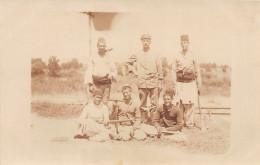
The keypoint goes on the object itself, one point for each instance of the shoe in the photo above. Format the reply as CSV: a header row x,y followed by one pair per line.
x,y
85,136
77,137
81,136
115,136
192,128
152,136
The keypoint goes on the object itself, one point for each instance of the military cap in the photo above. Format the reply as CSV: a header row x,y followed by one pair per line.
x,y
97,92
146,36
126,86
101,40
169,92
184,37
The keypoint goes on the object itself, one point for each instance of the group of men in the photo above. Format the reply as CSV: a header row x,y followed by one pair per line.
x,y
132,119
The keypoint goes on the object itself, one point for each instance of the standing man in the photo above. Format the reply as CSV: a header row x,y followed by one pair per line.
x,y
101,71
186,81
149,74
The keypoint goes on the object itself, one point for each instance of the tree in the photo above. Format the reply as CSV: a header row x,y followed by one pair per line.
x,y
37,66
53,66
72,64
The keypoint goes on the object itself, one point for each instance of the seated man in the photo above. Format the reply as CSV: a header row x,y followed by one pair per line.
x,y
129,109
167,115
94,119
168,119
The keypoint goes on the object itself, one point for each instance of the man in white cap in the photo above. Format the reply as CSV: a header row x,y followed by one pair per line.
x,y
149,72
186,81
101,71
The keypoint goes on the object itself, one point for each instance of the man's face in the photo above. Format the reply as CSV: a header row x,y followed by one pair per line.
x,y
167,100
146,43
101,47
184,45
97,99
127,94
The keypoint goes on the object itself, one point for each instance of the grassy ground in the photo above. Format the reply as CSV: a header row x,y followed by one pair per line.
x,y
71,83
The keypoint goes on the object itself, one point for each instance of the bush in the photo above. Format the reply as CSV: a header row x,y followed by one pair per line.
x,y
53,66
72,64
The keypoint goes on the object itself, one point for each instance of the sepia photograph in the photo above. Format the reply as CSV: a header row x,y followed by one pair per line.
x,y
140,83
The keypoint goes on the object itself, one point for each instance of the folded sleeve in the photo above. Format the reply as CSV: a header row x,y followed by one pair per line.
x,y
156,115
159,67
113,71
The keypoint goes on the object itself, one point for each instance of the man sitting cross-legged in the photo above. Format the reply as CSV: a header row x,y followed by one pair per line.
x,y
94,120
129,109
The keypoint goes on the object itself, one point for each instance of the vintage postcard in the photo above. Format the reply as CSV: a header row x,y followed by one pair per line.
x,y
129,82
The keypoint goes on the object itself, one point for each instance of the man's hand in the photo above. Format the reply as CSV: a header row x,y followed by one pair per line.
x,y
89,88
159,130
111,77
100,121
132,132
106,124
173,86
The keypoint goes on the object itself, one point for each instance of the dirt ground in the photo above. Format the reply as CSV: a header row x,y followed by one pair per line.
x,y
55,136
215,140
53,125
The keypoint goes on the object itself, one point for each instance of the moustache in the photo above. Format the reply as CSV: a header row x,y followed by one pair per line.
x,y
110,49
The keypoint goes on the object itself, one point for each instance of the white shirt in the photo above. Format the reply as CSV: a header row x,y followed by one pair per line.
x,y
100,66
95,112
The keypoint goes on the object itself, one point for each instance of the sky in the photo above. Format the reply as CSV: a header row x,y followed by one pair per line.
x,y
56,29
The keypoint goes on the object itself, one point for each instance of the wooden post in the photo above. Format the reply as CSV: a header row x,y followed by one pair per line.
x,y
90,44
90,30
90,34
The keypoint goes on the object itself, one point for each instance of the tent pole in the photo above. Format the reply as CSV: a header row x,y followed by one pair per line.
x,y
90,35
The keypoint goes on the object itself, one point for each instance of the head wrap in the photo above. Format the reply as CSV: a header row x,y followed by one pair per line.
x,y
184,37
97,92
124,87
101,40
146,36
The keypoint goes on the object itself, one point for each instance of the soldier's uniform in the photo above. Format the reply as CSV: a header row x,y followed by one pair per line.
x,y
149,72
168,117
187,80
129,109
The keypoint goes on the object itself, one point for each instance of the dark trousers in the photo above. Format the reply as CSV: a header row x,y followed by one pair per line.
x,y
154,99
105,90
